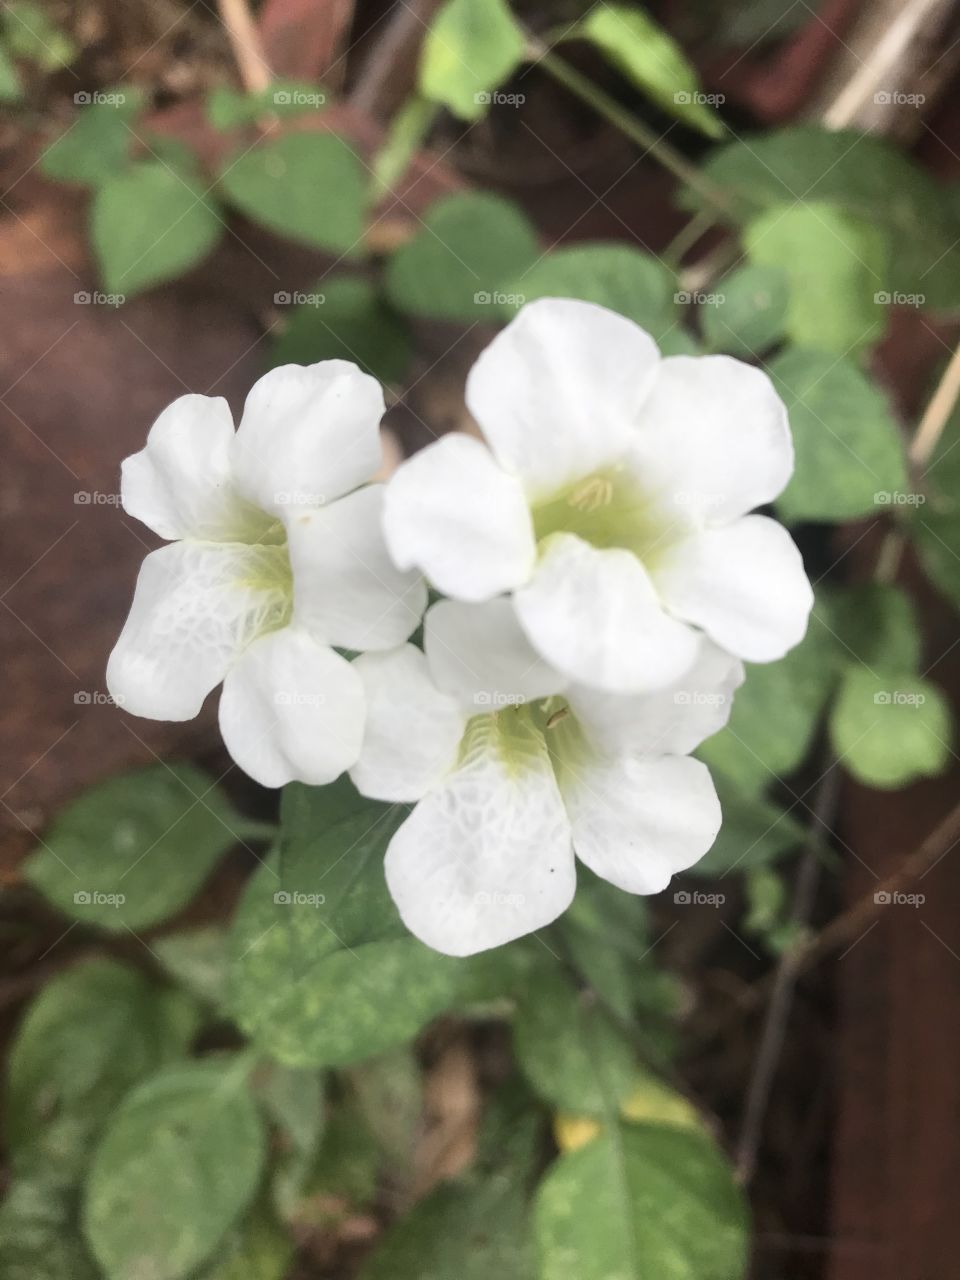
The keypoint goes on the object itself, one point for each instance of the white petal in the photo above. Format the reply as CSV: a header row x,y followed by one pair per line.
x,y
485,857
713,439
479,653
196,607
451,511
744,584
292,710
309,433
347,590
557,392
638,822
180,484
413,730
594,615
667,722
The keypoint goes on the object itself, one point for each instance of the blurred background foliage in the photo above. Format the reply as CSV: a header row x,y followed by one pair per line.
x,y
292,1090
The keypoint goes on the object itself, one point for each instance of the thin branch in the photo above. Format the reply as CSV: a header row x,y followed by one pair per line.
x,y
252,65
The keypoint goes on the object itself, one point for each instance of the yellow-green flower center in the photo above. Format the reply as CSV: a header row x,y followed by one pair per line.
x,y
607,509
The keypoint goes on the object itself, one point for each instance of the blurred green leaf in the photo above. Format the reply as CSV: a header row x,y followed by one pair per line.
x,y
877,626
405,134
32,35
458,263
150,224
604,931
935,515
11,89
477,1226
229,108
177,1166
346,319
867,176
849,454
652,60
777,710
643,1200
890,728
616,276
97,144
571,1051
471,47
197,959
755,832
133,850
837,266
389,1093
39,1237
752,316
324,971
92,1032
293,1100
307,186
257,1249
348,1166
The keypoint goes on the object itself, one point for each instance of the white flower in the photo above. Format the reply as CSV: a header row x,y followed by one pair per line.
x,y
612,500
516,769
268,567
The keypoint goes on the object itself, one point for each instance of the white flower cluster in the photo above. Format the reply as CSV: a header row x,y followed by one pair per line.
x,y
604,580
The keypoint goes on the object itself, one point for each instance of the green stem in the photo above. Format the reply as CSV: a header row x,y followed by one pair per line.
x,y
250,829
628,124
687,237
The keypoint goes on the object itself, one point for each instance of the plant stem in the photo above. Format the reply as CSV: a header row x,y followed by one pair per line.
x,y
687,237
628,124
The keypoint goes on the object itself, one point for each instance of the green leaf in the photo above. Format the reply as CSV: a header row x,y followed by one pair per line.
x,y
178,1165
755,832
257,1249
457,265
662,1203
324,971
849,455
32,36
571,1051
92,1032
869,178
935,515
348,1167
877,626
293,1100
476,1227
39,1239
150,224
389,1093
471,47
836,264
197,959
615,276
405,134
604,931
307,186
229,108
132,851
652,60
777,710
890,728
97,144
345,318
752,316
11,89
471,1230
